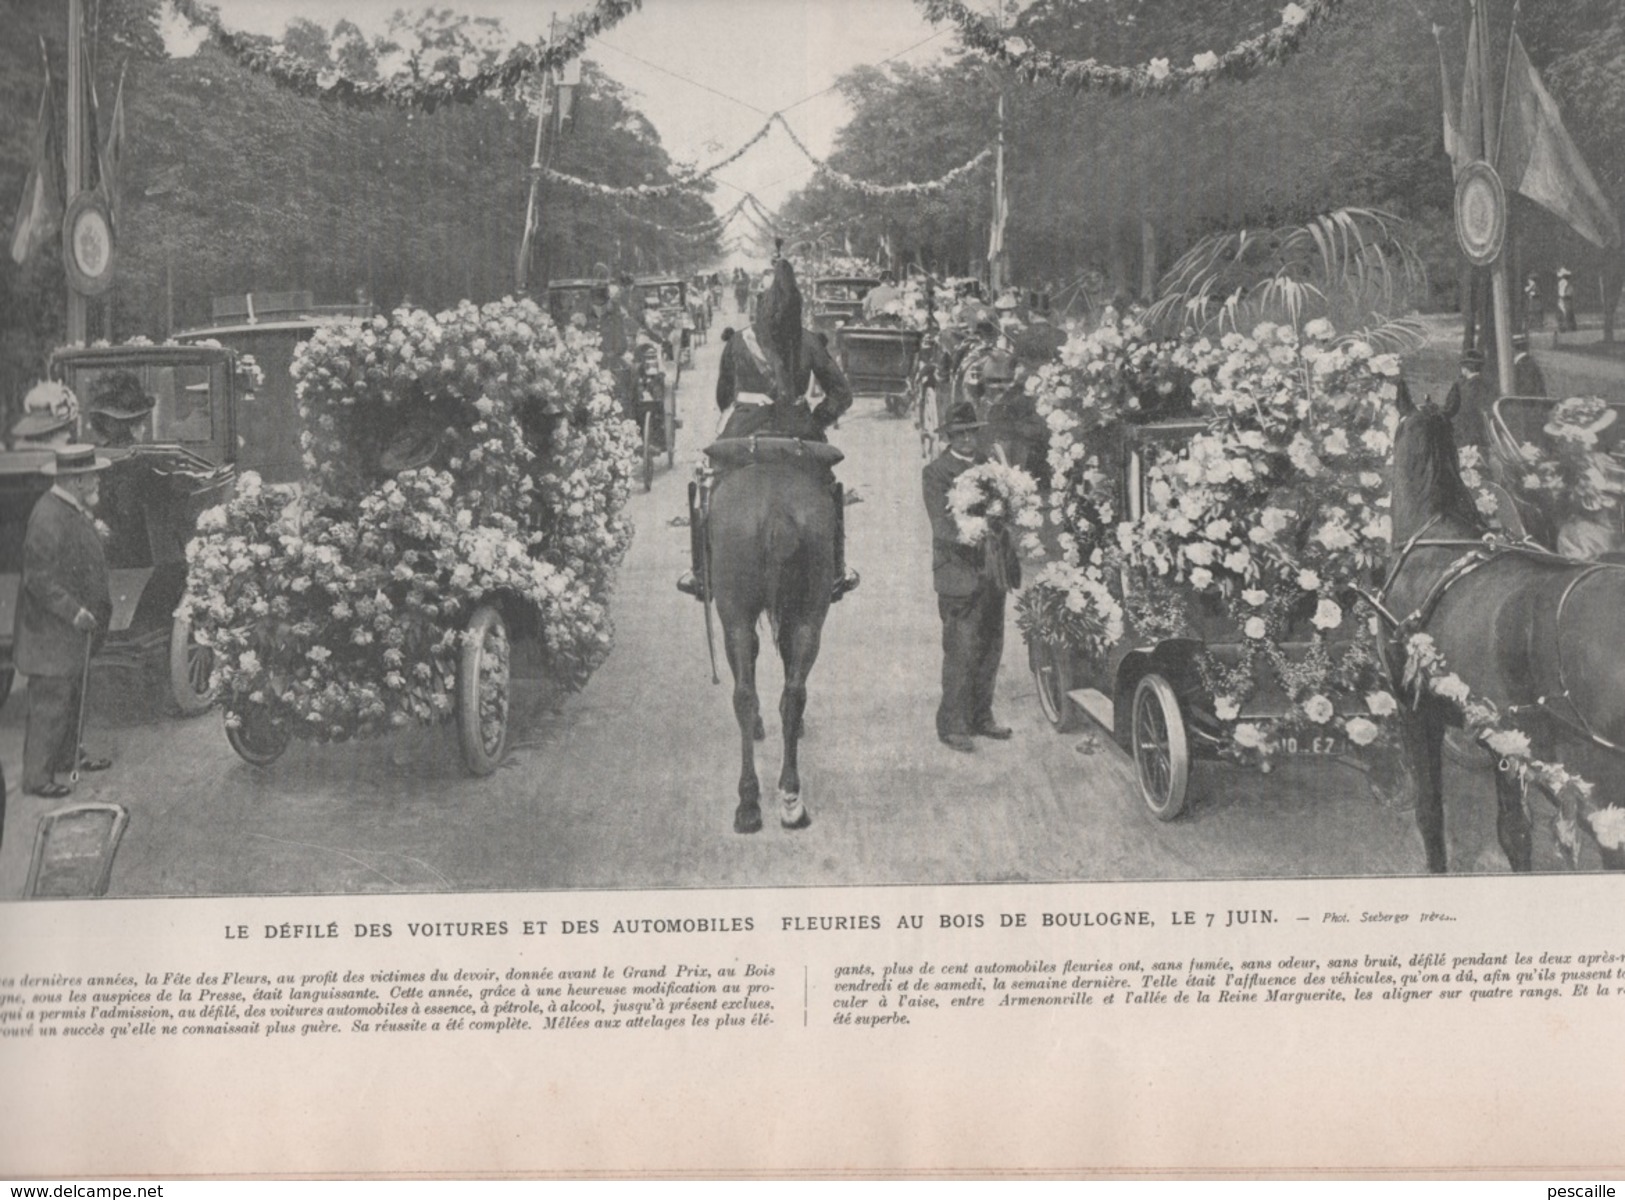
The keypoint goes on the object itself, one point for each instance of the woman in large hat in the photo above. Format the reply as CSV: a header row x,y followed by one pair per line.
x,y
119,408
50,413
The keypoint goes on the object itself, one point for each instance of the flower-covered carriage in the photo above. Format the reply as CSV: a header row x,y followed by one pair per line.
x,y
459,525
1217,507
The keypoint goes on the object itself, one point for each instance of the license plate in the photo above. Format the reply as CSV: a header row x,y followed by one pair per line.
x,y
1325,745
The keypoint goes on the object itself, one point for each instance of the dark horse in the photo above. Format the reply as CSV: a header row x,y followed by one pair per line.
x,y
1537,635
772,547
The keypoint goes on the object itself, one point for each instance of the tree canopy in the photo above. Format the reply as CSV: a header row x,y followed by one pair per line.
x,y
232,184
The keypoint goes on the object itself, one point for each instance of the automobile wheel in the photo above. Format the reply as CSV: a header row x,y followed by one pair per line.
x,y
1162,762
192,679
1052,676
257,738
482,691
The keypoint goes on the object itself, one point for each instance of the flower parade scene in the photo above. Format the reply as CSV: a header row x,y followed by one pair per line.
x,y
1224,476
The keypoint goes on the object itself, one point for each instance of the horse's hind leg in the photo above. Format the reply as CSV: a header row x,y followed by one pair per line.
x,y
1512,821
1423,735
798,643
741,643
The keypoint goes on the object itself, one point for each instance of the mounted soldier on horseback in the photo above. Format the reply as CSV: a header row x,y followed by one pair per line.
x,y
762,384
766,527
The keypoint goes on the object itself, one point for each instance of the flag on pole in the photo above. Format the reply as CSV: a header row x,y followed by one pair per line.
x,y
39,215
1539,160
111,151
1470,133
1001,214
1454,146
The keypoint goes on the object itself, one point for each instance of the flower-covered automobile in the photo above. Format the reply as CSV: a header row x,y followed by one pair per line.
x,y
1218,506
460,523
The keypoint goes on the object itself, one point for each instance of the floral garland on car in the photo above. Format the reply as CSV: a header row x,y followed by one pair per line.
x,y
337,607
468,82
1266,518
1242,61
1426,670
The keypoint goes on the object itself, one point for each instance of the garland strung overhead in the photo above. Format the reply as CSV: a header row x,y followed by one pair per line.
x,y
688,180
865,188
651,191
414,90
1242,61
699,231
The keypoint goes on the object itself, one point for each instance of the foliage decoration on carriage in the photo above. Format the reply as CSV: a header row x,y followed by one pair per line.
x,y
1218,504
466,479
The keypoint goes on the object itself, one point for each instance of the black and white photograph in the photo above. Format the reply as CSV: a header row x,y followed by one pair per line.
x,y
619,453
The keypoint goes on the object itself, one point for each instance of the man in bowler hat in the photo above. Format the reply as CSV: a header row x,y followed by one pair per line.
x,y
63,606
970,599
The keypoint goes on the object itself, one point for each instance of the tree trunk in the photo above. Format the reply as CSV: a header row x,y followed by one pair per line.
x,y
1613,282
1148,260
1119,264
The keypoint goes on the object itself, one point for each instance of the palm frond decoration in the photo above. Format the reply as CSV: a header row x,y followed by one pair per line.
x,y
1352,266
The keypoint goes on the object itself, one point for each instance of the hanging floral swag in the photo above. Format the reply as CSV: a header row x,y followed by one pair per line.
x,y
1427,671
1256,528
336,607
1242,61
412,88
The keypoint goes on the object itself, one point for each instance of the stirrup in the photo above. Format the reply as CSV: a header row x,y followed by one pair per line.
x,y
690,585
846,583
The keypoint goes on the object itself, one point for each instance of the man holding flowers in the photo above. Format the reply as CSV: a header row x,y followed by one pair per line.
x,y
971,580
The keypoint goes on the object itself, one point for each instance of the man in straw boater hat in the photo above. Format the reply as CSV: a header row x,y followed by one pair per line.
x,y
970,598
63,607
762,384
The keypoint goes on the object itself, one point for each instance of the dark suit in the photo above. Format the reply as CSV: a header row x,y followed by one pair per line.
x,y
1472,397
739,372
64,570
970,603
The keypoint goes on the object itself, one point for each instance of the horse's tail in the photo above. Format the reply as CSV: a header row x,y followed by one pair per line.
x,y
782,546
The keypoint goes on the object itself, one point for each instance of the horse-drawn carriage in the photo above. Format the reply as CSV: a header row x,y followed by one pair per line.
x,y
182,460
1146,690
663,301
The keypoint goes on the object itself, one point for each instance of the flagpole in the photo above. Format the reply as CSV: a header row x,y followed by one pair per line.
x,y
1499,292
77,324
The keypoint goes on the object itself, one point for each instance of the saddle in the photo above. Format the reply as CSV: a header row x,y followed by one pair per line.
x,y
744,451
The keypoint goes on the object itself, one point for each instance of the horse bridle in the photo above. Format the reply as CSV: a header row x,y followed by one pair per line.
x,y
1480,552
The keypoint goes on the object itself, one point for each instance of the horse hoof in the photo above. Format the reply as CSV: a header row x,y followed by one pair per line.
x,y
793,813
760,732
747,820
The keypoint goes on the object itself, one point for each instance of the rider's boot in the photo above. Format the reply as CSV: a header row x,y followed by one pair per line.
x,y
846,579
692,581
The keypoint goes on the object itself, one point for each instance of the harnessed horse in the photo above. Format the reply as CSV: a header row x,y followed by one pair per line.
x,y
1534,633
